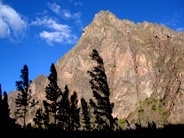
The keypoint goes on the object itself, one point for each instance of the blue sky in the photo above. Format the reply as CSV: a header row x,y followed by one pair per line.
x,y
38,33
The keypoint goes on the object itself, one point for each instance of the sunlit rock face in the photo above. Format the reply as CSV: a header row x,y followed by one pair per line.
x,y
144,65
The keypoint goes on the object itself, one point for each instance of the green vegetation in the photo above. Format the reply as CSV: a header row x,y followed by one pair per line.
x,y
122,121
141,110
153,107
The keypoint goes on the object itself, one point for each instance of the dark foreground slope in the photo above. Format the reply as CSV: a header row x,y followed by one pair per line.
x,y
167,131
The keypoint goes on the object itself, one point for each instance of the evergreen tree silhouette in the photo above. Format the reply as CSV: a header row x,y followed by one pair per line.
x,y
6,122
69,119
53,93
39,118
45,114
1,109
64,110
75,110
6,111
24,95
102,107
86,115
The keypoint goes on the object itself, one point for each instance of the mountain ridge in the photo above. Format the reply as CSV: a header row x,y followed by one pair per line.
x,y
143,63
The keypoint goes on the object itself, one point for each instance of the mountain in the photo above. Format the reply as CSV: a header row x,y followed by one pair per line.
x,y
144,65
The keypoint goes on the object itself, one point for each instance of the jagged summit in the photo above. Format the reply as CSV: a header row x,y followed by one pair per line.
x,y
144,65
104,15
127,26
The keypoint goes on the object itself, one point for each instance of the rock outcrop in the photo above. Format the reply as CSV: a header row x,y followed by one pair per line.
x,y
144,64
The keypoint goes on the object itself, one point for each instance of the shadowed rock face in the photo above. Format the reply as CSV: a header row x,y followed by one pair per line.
x,y
144,64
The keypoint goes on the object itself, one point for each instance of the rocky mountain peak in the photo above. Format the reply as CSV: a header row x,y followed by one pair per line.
x,y
126,26
103,16
144,65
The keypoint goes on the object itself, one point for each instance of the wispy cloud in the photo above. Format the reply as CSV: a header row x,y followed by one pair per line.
x,y
51,23
65,13
44,12
54,7
56,32
68,15
11,23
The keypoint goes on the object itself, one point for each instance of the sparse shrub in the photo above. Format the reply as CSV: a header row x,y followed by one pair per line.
x,y
154,100
141,110
122,121
161,100
153,107
165,113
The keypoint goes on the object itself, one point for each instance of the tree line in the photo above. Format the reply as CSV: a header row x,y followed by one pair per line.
x,y
61,110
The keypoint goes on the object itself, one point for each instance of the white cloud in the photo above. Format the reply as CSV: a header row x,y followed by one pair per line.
x,y
64,13
5,31
54,31
10,22
58,33
58,37
54,7
52,24
68,15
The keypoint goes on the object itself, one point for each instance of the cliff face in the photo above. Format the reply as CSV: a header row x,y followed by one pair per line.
x,y
144,64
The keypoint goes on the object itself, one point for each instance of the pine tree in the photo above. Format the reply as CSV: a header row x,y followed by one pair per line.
x,y
86,115
75,110
5,121
53,94
102,107
1,109
46,114
6,111
64,110
24,95
69,119
39,118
